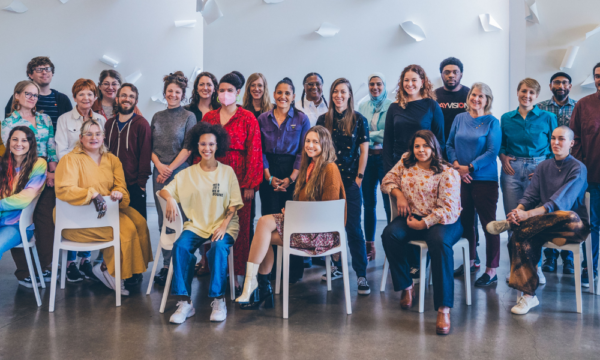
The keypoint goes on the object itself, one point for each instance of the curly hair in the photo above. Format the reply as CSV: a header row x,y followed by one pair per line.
x,y
195,98
205,128
177,78
437,161
39,61
426,91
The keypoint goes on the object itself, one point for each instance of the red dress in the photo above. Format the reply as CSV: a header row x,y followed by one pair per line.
x,y
245,157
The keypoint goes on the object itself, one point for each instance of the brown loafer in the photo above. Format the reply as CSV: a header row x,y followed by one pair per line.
x,y
442,326
406,300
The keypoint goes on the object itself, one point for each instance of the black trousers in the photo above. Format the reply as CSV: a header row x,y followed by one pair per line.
x,y
137,199
440,239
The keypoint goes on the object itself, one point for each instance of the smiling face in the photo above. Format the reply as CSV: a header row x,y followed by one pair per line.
x,y
312,145
375,86
313,86
28,97
92,139
19,146
340,97
205,87
597,78
109,87
477,100
284,95
42,75
412,83
207,146
85,98
126,101
527,96
257,89
422,150
173,95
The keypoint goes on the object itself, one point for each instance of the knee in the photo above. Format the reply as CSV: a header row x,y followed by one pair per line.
x,y
219,247
391,234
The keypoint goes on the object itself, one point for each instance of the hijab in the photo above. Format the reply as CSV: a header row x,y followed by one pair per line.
x,y
376,102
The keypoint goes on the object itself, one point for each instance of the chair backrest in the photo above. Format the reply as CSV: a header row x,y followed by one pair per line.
x,y
313,217
84,217
26,218
587,204
393,208
176,225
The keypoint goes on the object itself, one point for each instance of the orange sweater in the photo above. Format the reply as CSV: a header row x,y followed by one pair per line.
x,y
333,188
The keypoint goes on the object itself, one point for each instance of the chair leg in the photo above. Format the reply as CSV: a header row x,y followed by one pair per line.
x,y
422,283
588,254
36,260
231,274
53,281
153,273
163,302
346,277
577,261
278,272
328,271
430,278
36,291
286,282
466,260
63,269
118,271
386,269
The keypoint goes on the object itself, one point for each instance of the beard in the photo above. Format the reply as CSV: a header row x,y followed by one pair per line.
x,y
560,96
123,111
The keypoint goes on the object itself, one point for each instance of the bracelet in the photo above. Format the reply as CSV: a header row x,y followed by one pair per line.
x,y
291,181
270,179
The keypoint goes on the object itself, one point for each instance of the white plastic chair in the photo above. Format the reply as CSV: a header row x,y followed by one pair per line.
x,y
84,217
25,221
462,244
312,217
166,242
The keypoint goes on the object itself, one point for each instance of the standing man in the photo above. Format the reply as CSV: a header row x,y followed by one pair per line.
x,y
562,106
585,123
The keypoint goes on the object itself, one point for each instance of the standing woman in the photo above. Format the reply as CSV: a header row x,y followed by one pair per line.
x,y
256,95
472,147
109,83
204,95
375,110
170,143
312,102
350,133
24,114
244,155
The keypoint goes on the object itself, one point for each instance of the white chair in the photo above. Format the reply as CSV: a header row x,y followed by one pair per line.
x,y
84,217
312,217
25,221
462,244
166,242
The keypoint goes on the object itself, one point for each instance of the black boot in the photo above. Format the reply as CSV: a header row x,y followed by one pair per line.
x,y
264,292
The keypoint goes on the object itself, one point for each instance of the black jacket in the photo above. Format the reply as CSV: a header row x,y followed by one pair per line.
x,y
62,102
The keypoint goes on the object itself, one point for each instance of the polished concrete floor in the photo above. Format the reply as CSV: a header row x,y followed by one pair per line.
x,y
87,325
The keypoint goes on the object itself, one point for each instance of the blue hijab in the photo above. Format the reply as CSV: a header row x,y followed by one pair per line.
x,y
376,102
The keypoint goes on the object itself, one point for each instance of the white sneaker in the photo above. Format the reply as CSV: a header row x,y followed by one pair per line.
x,y
497,227
524,304
507,277
108,280
184,311
541,275
219,312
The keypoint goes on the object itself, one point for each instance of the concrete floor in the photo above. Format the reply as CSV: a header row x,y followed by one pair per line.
x,y
87,325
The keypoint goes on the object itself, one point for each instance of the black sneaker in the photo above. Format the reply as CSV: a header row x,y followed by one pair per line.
x,y
486,280
585,281
29,284
134,280
461,270
549,265
335,274
568,267
47,275
161,277
363,286
86,269
73,274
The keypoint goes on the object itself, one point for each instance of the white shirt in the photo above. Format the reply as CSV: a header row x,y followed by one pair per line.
x,y
68,128
313,112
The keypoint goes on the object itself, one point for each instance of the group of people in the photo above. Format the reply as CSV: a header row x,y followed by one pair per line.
x,y
212,155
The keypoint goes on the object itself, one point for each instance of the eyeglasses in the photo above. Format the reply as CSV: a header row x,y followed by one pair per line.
x,y
106,84
41,70
30,96
90,135
125,97
559,83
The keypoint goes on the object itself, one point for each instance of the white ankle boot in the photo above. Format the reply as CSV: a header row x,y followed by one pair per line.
x,y
250,283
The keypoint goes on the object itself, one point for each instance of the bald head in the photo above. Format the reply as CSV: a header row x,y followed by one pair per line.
x,y
565,131
562,142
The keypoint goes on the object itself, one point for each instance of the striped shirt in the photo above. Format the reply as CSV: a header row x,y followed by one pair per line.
x,y
47,105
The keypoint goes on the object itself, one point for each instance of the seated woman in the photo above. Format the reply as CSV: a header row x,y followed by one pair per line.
x,y
22,179
209,193
319,180
85,175
427,193
558,184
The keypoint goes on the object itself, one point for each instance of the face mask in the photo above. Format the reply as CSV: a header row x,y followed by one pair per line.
x,y
227,98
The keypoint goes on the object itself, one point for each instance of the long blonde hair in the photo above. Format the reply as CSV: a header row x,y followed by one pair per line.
x,y
426,91
265,101
314,185
85,128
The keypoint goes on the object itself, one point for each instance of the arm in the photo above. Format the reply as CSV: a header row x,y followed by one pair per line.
x,y
235,203
575,125
531,197
447,208
120,185
503,135
254,165
60,138
305,128
67,184
171,195
450,151
492,146
182,157
565,197
437,125
184,154
362,161
52,156
332,183
7,109
388,142
145,153
33,188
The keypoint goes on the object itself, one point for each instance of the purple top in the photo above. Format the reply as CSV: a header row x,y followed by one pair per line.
x,y
285,140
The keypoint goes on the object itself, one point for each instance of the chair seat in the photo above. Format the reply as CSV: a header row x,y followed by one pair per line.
x,y
167,244
298,252
568,246
30,243
423,244
88,246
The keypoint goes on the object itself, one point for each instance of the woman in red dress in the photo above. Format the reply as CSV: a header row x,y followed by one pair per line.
x,y
244,156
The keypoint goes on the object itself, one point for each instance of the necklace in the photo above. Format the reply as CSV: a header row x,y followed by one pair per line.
x,y
563,161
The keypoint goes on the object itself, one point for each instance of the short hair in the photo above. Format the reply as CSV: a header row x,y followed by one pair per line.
x,y
38,61
85,127
595,67
83,84
132,87
568,131
488,94
451,61
177,78
205,128
531,83
560,73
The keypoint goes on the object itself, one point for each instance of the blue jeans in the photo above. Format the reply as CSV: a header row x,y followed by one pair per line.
x,y
356,239
11,237
594,190
72,255
184,261
373,176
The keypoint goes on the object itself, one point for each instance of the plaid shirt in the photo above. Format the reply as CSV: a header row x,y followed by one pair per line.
x,y
563,114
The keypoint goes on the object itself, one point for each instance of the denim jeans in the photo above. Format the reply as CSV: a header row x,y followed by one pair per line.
x,y
356,239
594,190
11,237
184,262
373,175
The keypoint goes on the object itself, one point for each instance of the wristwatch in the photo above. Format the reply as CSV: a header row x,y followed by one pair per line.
x,y
471,168
360,176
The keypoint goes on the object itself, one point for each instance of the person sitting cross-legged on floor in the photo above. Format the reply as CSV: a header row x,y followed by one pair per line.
x,y
210,195
559,184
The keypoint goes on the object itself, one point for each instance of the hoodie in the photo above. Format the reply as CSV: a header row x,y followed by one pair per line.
x,y
133,146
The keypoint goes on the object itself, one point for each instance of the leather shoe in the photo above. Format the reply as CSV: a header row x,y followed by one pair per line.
x,y
442,326
486,280
406,300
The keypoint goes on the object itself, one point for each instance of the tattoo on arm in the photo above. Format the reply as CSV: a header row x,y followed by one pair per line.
x,y
229,213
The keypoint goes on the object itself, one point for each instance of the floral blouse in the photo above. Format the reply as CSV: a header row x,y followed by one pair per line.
x,y
44,133
435,197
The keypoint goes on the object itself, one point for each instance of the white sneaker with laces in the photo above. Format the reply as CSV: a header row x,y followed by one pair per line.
x,y
524,304
541,275
335,274
219,312
108,280
184,311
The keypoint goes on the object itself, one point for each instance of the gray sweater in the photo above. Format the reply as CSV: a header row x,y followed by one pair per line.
x,y
558,190
171,133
